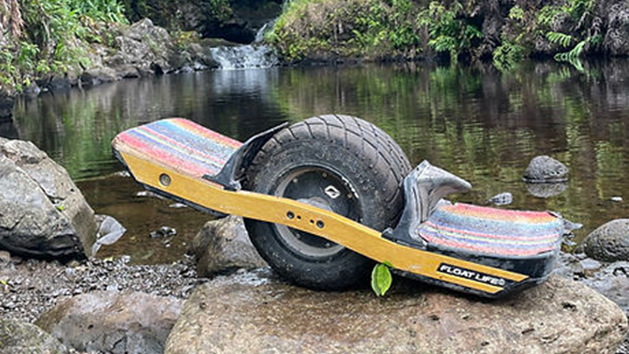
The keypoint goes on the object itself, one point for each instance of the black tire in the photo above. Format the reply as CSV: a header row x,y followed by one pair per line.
x,y
360,164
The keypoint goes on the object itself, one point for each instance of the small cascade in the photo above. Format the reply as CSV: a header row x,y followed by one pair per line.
x,y
247,56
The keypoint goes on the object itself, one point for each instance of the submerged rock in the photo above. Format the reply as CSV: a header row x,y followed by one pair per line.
x,y
223,245
256,314
545,169
42,212
505,198
117,323
609,242
18,337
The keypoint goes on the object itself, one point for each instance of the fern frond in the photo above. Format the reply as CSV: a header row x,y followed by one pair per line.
x,y
562,39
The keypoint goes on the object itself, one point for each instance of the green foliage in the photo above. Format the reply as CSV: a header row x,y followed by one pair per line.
x,y
54,37
573,55
570,27
449,33
99,10
516,13
371,28
221,9
563,40
381,278
507,55
547,14
167,13
586,33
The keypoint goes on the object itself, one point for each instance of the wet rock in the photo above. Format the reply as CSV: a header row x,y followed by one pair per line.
x,y
501,199
609,242
545,169
5,258
7,100
97,76
557,316
144,47
109,231
223,245
118,323
616,40
612,280
164,231
18,337
42,212
546,190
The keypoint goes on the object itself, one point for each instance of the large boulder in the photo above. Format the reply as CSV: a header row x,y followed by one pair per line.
x,y
252,313
143,47
609,242
18,337
42,212
223,245
112,322
545,169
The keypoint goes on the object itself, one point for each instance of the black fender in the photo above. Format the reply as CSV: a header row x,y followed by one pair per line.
x,y
230,175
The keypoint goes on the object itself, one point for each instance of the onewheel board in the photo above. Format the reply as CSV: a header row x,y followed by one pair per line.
x,y
325,198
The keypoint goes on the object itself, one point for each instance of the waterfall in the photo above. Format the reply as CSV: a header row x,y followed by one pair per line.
x,y
247,56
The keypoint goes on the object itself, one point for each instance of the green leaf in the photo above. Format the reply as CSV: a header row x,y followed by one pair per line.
x,y
60,207
3,282
381,279
562,39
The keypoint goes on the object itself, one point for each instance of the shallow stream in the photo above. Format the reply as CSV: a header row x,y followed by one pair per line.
x,y
482,124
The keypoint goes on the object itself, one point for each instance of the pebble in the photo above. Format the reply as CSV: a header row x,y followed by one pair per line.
x,y
35,286
505,198
616,199
5,257
164,231
177,206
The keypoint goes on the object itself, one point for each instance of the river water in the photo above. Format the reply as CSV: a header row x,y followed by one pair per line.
x,y
482,124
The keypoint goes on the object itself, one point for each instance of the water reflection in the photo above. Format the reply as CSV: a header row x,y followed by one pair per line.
x,y
481,124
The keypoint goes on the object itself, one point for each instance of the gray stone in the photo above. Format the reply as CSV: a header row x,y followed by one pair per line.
x,y
609,242
98,75
18,337
545,169
223,245
42,212
142,47
5,258
505,198
112,322
251,313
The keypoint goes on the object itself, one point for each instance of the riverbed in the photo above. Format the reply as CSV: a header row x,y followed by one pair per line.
x,y
480,123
